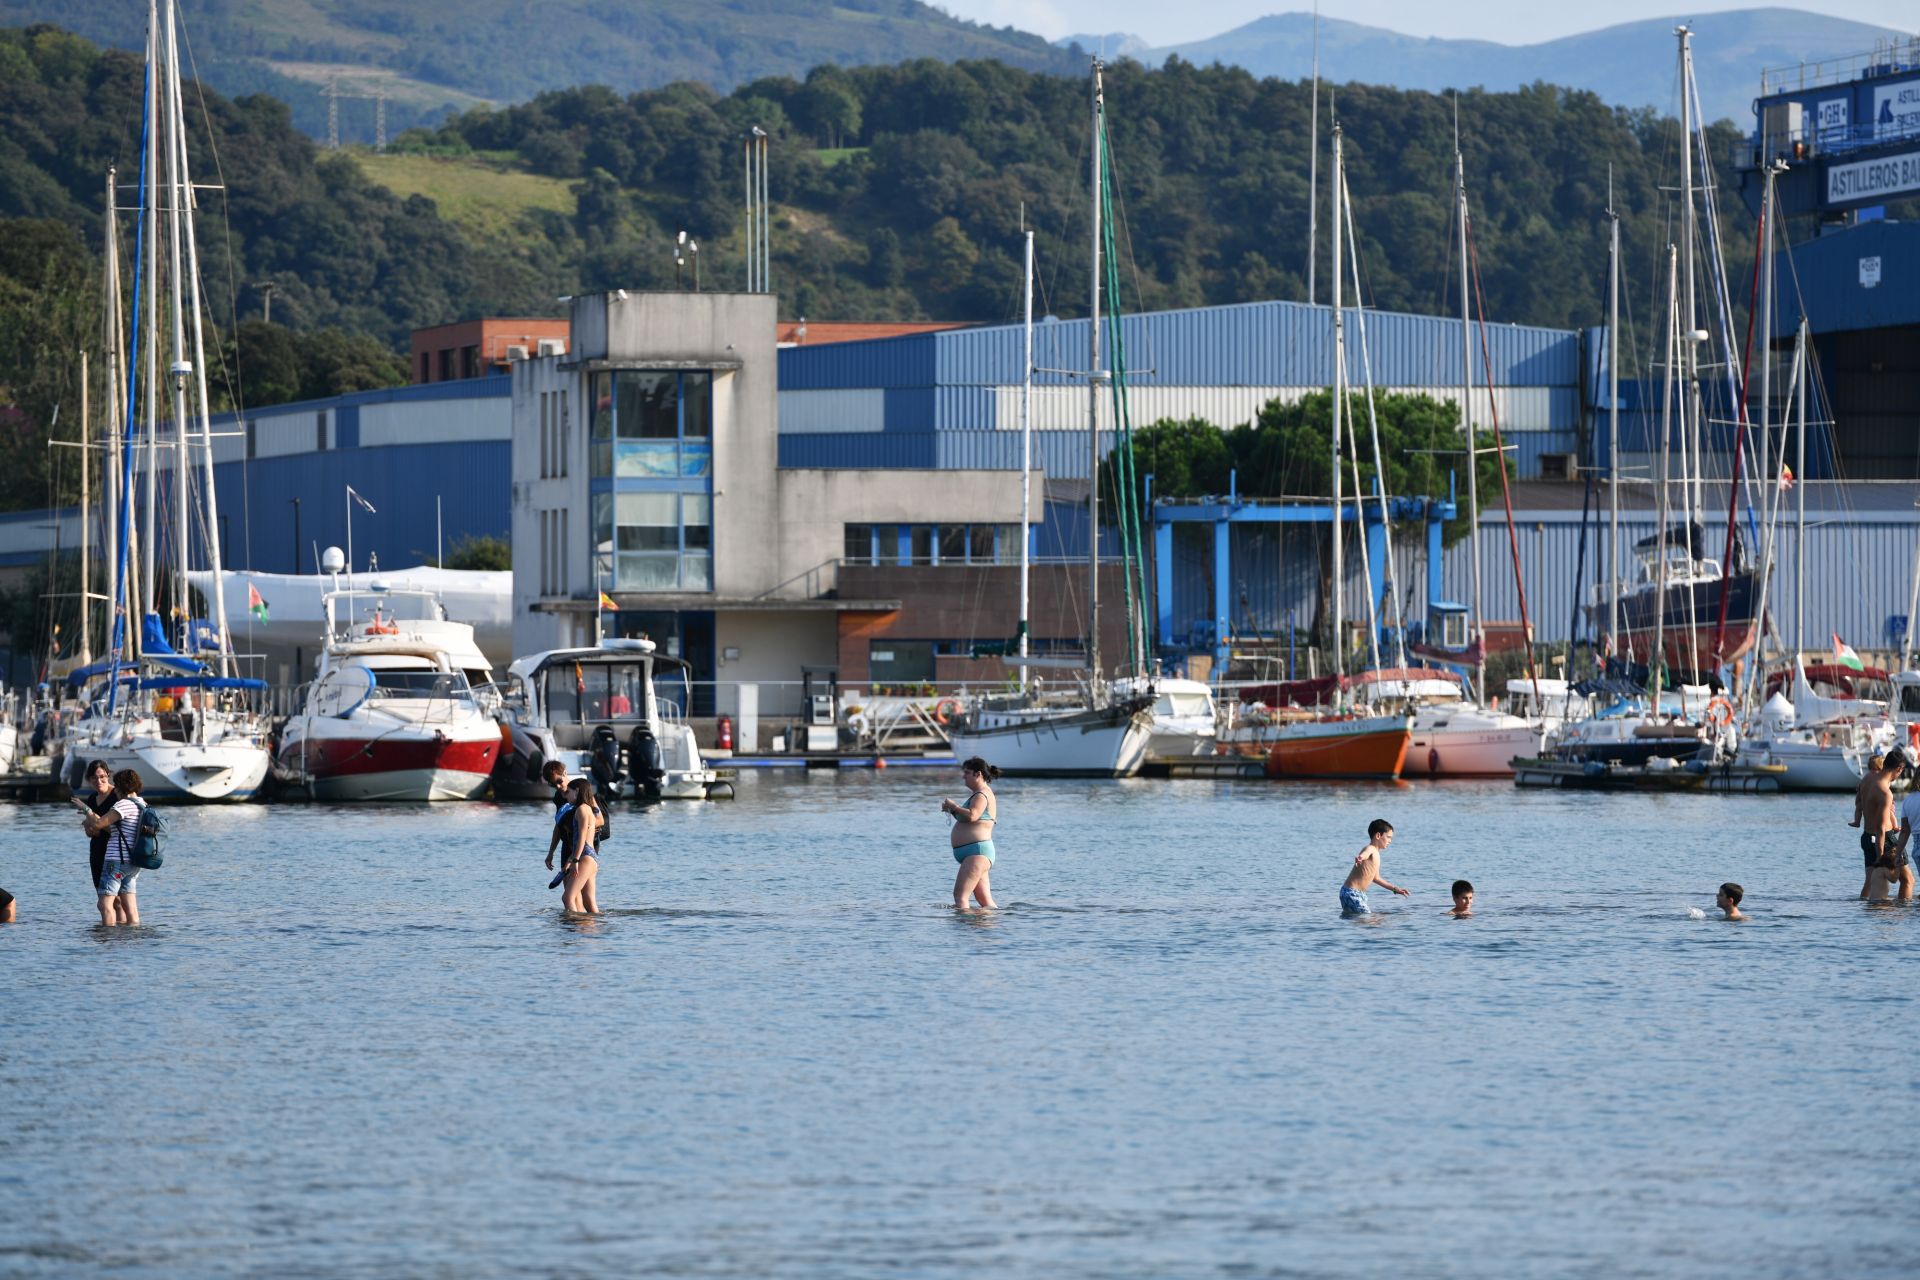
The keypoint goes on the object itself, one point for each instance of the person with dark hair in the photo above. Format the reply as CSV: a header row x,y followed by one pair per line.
x,y
118,872
6,907
972,835
1366,871
1728,900
577,894
1877,816
100,802
1462,899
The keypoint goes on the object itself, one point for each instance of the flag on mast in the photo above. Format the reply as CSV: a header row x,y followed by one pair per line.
x,y
1844,655
256,602
606,602
365,505
1786,476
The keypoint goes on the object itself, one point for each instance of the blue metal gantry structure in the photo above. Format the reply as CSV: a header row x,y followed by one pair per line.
x,y
1222,514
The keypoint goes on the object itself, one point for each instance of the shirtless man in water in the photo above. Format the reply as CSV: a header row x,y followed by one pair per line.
x,y
1874,813
1366,871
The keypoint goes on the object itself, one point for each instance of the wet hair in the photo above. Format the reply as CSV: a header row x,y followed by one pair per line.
x,y
1462,886
974,764
1734,892
127,781
1378,825
550,768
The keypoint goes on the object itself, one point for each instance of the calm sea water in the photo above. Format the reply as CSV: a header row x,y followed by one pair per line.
x,y
363,1041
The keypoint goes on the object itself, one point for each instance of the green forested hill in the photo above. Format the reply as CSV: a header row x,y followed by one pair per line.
x,y
429,57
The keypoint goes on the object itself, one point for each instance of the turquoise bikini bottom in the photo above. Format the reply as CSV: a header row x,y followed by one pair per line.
x,y
978,849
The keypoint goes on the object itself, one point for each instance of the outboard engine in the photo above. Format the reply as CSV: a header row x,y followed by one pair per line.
x,y
645,759
603,755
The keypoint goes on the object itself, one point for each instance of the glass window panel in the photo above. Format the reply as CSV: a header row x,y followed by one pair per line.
x,y
696,570
696,508
953,543
980,543
647,405
563,696
696,413
859,544
649,508
1009,545
696,458
648,572
602,521
649,537
646,460
922,544
699,537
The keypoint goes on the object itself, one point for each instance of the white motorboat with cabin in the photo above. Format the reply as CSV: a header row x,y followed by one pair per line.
x,y
1185,721
599,714
401,708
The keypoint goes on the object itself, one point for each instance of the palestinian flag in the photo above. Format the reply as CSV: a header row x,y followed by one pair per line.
x,y
256,602
1844,655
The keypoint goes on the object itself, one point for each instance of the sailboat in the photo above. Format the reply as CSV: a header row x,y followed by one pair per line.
x,y
156,705
1693,609
1097,730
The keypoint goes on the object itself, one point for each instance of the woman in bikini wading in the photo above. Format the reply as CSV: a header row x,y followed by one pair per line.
x,y
973,834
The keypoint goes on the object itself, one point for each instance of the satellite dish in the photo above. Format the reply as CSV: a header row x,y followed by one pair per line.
x,y
333,560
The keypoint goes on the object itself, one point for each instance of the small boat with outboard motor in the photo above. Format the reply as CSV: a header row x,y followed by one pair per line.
x,y
598,713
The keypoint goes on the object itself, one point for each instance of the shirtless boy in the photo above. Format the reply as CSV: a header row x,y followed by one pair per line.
x,y
1366,871
1874,813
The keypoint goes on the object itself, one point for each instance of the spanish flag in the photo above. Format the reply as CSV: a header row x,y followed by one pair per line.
x,y
606,602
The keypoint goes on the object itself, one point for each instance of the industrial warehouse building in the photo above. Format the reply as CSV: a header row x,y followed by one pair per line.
x,y
763,509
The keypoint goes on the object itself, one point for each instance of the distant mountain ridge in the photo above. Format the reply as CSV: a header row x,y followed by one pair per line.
x,y
1631,64
430,58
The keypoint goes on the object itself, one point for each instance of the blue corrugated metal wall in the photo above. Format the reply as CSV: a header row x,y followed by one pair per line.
x,y
473,482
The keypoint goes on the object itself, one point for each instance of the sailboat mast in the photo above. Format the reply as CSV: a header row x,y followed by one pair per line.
x,y
110,470
1093,388
1026,446
218,604
1613,420
150,195
1691,461
1800,493
1478,627
1339,403
1313,169
1656,656
86,522
180,369
1766,334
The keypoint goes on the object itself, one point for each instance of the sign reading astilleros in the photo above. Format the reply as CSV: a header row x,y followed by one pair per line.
x,y
1874,179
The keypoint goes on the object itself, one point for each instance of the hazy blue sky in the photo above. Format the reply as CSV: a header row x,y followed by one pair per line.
x,y
1508,21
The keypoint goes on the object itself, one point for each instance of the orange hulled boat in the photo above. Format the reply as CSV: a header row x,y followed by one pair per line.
x,y
1300,734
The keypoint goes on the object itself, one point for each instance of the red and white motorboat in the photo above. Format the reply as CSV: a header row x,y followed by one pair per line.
x,y
402,706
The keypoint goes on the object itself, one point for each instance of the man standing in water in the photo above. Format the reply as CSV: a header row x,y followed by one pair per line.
x,y
1873,812
1366,871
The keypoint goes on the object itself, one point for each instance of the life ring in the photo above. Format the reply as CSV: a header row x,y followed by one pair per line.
x,y
1719,713
1913,734
945,709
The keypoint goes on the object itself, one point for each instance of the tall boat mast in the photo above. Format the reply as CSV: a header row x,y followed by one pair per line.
x,y
1339,404
180,368
1656,657
1613,418
1093,386
1026,447
150,198
110,439
1478,626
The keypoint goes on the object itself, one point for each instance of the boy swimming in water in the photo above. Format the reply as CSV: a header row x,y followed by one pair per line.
x,y
1728,900
1462,899
1366,871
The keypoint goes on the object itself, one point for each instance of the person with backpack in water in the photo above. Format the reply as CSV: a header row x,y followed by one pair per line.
x,y
126,849
582,825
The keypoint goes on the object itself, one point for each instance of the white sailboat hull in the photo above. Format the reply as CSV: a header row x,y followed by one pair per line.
x,y
1071,744
179,772
1837,766
1469,750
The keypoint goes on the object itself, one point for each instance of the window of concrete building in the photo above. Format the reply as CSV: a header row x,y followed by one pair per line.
x,y
1008,548
446,365
900,661
653,424
546,440
655,541
566,434
861,544
921,544
980,543
952,542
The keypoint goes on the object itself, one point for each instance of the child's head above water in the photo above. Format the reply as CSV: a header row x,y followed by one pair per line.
x,y
1462,896
1380,832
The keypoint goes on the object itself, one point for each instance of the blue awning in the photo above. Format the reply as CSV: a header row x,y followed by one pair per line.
x,y
200,682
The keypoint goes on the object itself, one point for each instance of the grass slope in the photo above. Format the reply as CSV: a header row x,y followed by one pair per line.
x,y
487,197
